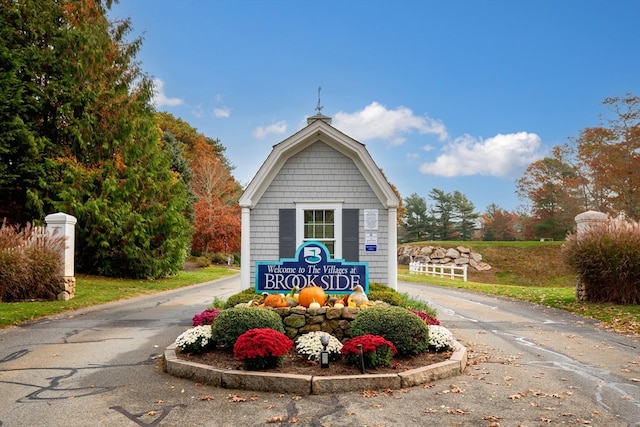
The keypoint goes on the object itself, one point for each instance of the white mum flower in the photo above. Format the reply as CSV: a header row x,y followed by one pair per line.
x,y
310,345
440,338
195,340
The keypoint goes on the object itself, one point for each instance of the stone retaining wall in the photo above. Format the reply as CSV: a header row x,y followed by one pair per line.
x,y
460,255
335,321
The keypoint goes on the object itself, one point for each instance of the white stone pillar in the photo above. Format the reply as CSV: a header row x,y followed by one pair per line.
x,y
588,219
584,221
62,224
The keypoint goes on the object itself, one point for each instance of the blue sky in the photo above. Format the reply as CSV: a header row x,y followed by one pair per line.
x,y
454,95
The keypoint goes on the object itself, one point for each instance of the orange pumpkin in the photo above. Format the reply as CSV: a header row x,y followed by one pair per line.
x,y
275,300
312,294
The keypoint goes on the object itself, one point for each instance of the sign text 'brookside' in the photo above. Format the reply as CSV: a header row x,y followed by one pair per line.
x,y
312,265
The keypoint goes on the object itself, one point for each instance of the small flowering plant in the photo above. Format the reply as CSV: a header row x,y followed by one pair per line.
x,y
206,317
310,345
376,350
440,338
261,348
426,317
195,340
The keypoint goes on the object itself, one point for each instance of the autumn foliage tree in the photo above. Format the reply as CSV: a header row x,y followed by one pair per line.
x,y
550,185
82,139
499,224
598,170
217,213
214,190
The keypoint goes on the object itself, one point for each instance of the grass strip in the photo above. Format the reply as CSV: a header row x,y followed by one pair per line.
x,y
93,290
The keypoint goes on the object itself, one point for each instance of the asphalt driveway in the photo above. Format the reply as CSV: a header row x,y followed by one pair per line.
x,y
528,366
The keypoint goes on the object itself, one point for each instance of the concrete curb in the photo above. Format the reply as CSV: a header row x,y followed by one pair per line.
x,y
308,384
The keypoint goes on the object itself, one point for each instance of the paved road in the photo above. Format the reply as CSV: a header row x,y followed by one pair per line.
x,y
529,366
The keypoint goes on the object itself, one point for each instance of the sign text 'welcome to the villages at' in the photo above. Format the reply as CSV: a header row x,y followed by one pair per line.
x,y
312,265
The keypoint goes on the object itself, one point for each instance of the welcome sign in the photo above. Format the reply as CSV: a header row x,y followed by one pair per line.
x,y
312,265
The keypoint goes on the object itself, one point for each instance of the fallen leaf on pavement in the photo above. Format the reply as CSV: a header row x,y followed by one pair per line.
x,y
491,418
236,398
272,420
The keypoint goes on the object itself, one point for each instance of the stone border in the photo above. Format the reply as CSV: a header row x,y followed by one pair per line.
x,y
308,384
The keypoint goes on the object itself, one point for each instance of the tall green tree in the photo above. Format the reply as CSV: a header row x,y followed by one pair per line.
x,y
94,149
417,221
444,214
465,216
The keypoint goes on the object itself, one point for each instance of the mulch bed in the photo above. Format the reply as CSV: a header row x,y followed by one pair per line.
x,y
297,364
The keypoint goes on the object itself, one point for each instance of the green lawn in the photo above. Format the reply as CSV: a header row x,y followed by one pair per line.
x,y
621,318
92,290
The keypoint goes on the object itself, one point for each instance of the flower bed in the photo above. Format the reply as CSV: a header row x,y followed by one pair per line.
x,y
281,368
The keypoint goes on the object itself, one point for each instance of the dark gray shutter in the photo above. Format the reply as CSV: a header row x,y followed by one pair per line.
x,y
287,233
351,235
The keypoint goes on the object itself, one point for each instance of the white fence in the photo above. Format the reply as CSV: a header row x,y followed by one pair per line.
x,y
441,270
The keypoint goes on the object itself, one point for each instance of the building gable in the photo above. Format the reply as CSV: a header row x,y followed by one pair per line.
x,y
318,130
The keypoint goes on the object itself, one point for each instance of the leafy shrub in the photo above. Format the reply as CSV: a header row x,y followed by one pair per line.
x,y
376,351
241,297
404,329
261,348
220,258
30,264
206,317
195,340
379,287
605,258
394,297
390,297
416,304
202,261
233,322
310,345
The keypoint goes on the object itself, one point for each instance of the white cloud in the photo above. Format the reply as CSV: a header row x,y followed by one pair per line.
x,y
501,156
221,113
376,121
273,129
159,98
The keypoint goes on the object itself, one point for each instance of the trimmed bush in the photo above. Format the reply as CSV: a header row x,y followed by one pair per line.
x,y
241,297
404,329
605,259
390,297
202,262
233,322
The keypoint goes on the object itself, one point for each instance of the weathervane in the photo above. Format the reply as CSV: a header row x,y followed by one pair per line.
x,y
319,107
